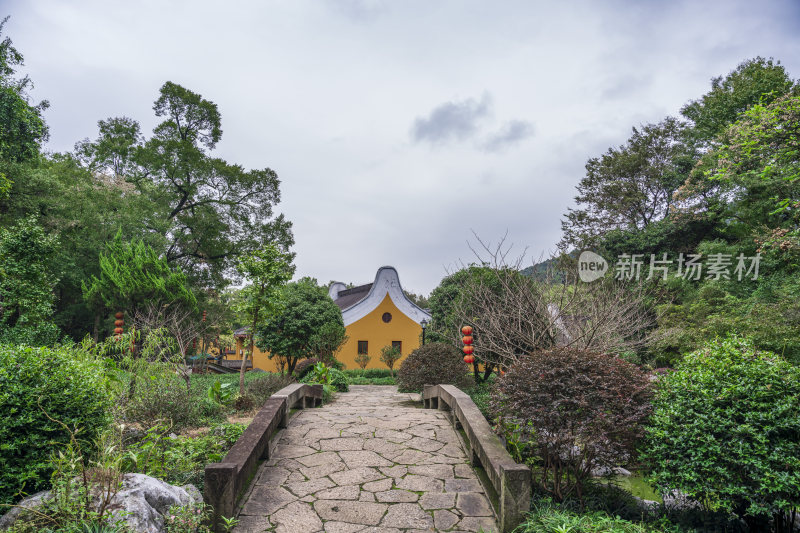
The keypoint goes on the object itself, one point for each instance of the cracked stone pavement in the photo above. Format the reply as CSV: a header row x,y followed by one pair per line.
x,y
369,461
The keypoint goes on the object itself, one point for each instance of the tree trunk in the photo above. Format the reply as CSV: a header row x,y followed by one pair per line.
x,y
96,332
244,357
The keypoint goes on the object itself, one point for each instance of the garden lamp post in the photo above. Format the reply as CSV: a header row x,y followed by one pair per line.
x,y
424,325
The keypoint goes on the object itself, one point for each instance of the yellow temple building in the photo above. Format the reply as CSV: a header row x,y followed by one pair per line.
x,y
375,315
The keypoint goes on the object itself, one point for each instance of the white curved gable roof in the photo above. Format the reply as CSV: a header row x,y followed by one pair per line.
x,y
386,282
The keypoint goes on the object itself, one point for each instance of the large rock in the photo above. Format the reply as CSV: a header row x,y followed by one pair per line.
x,y
141,503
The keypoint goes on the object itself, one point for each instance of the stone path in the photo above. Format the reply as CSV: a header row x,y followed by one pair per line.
x,y
370,461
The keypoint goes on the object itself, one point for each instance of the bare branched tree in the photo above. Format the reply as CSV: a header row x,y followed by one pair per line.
x,y
168,332
514,314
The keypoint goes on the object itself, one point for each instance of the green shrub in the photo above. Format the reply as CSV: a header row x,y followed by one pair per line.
x,y
155,394
338,380
433,364
180,460
265,385
67,383
726,431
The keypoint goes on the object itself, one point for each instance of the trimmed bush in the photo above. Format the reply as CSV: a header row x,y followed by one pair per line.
x,y
433,364
576,410
67,383
726,431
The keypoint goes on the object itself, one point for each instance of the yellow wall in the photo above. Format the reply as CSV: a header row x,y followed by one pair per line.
x,y
260,359
371,328
378,334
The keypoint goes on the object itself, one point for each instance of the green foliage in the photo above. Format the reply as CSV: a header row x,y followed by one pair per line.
x,y
22,128
304,323
38,386
133,273
27,281
220,392
264,386
362,360
754,81
389,356
547,517
187,519
180,460
214,211
267,270
726,430
333,377
629,187
369,376
433,364
338,380
592,405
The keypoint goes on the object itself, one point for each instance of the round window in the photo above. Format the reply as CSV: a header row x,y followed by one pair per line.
x,y
387,317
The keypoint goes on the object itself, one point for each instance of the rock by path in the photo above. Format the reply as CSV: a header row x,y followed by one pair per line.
x,y
370,461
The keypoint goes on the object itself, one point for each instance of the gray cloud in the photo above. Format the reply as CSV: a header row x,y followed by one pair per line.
x,y
513,132
451,121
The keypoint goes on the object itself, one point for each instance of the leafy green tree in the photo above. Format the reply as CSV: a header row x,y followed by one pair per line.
x,y
215,211
22,128
27,280
307,321
267,270
630,187
132,274
754,81
726,432
389,357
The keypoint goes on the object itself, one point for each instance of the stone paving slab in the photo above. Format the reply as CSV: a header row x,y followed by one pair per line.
x,y
371,461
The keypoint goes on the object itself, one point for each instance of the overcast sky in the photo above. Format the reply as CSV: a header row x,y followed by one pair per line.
x,y
399,127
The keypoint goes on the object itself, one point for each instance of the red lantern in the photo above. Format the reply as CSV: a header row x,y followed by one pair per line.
x,y
469,359
118,315
118,331
467,339
466,330
468,350
119,323
204,316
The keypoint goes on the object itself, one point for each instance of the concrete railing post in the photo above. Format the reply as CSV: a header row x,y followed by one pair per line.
x,y
220,490
515,495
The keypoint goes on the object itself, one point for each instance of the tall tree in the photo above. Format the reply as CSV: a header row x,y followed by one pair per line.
x,y
267,270
754,81
629,187
133,274
27,280
308,321
215,211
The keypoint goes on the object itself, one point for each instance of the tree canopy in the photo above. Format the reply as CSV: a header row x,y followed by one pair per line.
x,y
307,320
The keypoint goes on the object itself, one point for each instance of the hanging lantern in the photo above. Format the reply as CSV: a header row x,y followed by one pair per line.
x,y
469,359
119,315
119,323
469,350
118,331
204,316
467,339
466,330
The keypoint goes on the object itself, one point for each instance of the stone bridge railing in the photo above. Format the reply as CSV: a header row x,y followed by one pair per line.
x,y
226,481
511,482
